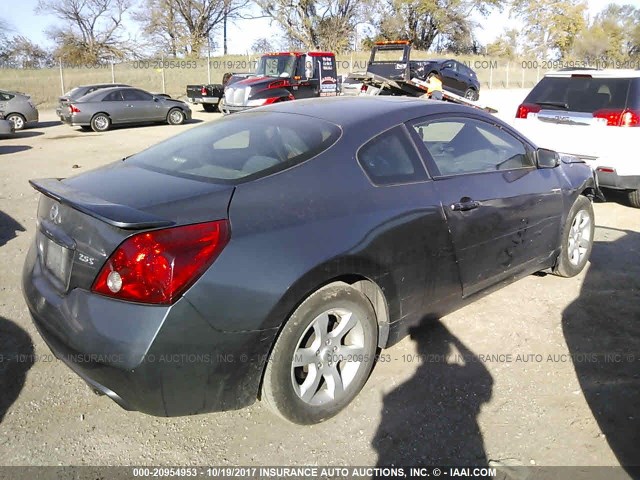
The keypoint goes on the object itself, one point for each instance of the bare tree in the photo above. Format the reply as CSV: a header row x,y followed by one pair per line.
x,y
328,24
92,29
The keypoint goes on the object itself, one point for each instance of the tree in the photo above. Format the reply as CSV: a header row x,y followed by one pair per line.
x,y
187,26
26,54
92,30
505,46
262,45
550,26
327,24
422,21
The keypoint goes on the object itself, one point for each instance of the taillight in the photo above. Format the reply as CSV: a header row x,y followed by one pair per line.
x,y
158,266
619,117
526,108
73,109
363,88
203,90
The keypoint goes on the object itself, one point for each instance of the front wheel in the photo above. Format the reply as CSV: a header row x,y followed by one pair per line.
x,y
634,198
175,117
577,239
323,355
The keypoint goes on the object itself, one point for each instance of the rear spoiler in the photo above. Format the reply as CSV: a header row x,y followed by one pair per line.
x,y
114,214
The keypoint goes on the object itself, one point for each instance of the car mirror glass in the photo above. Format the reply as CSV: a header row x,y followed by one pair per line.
x,y
547,158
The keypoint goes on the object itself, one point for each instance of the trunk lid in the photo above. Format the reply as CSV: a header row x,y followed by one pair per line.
x,y
81,220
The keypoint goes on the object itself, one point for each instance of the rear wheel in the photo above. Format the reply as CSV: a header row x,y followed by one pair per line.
x,y
634,198
100,122
323,355
175,117
471,94
18,121
577,239
209,107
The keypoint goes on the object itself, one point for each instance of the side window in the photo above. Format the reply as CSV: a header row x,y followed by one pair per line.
x,y
6,96
390,158
113,97
464,145
450,66
136,95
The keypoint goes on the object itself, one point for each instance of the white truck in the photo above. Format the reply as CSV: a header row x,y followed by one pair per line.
x,y
594,115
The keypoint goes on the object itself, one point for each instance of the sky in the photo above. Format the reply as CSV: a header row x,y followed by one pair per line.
x,y
242,34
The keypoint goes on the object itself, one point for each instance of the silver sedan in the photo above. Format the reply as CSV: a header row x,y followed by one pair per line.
x,y
18,108
103,108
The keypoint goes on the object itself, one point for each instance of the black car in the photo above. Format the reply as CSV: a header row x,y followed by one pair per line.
x,y
272,253
81,91
456,77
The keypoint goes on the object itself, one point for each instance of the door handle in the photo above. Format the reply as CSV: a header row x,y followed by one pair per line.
x,y
465,204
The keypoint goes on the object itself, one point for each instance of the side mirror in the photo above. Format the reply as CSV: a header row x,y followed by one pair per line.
x,y
547,158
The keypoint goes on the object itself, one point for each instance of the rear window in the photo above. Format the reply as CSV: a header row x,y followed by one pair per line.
x,y
581,94
240,147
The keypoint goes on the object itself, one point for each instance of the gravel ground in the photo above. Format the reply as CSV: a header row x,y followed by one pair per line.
x,y
542,372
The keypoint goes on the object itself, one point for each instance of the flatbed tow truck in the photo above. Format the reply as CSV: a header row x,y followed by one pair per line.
x,y
403,76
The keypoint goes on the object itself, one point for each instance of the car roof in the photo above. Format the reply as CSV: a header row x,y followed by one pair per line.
x,y
104,85
605,73
372,109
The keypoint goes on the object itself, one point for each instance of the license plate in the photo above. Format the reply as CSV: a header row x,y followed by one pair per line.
x,y
57,260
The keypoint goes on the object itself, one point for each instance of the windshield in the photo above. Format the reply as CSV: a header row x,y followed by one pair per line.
x,y
275,65
244,145
580,94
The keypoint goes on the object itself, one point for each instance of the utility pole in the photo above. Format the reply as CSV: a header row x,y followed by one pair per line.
x,y
224,24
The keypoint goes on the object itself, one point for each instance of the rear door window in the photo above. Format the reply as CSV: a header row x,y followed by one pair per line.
x,y
113,97
581,93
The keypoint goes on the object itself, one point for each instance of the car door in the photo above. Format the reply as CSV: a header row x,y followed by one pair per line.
x,y
113,104
140,106
503,212
450,76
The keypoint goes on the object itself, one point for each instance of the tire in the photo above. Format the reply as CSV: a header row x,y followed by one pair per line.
x,y
471,94
18,121
208,107
634,198
175,117
100,122
282,387
577,239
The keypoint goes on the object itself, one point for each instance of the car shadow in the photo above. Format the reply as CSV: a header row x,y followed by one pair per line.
x,y
27,134
602,330
7,149
432,418
8,227
617,196
16,358
47,124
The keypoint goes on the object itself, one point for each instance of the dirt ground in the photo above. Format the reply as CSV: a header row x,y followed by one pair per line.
x,y
542,372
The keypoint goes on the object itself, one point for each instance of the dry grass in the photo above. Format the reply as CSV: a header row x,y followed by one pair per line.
x,y
45,85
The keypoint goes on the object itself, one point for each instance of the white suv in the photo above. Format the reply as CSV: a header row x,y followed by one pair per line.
x,y
592,114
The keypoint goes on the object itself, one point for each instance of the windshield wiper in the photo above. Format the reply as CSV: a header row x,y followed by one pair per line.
x,y
554,104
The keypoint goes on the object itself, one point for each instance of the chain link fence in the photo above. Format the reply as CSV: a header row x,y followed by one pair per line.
x,y
171,76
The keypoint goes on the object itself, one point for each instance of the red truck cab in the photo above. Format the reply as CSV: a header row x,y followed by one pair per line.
x,y
283,76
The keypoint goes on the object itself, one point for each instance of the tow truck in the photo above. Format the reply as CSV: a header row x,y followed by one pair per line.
x,y
284,76
403,76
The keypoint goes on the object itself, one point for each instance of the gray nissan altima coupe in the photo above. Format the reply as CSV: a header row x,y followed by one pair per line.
x,y
274,253
102,108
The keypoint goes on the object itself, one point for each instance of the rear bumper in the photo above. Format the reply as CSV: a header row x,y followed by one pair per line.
x,y
609,178
211,100
163,361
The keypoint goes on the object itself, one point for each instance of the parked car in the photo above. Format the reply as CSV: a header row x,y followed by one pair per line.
x,y
81,91
270,254
18,108
6,127
594,114
103,108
